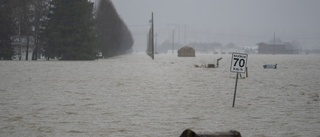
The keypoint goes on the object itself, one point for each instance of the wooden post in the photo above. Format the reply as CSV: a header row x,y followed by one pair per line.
x,y
218,62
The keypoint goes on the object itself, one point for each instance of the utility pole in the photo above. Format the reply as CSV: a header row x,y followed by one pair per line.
x,y
178,33
156,42
172,41
185,34
152,37
274,42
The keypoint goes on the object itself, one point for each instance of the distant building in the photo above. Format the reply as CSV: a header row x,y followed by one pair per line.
x,y
314,51
186,52
20,45
276,48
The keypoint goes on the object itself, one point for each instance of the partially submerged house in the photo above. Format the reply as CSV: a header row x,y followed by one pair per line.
x,y
186,52
276,48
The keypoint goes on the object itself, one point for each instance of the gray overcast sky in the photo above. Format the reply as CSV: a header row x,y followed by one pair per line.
x,y
242,22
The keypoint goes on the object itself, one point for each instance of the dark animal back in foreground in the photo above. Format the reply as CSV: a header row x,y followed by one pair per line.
x,y
231,133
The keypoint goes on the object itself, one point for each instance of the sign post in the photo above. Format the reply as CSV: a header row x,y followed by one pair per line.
x,y
238,65
235,90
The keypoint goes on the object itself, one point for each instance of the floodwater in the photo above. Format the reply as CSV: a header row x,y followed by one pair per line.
x,y
135,96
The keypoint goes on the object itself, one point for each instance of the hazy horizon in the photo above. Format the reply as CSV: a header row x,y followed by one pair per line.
x,y
244,23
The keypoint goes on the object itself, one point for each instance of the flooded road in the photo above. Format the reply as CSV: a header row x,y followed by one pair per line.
x,y
134,96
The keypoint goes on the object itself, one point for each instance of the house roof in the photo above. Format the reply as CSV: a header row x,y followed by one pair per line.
x,y
186,48
277,43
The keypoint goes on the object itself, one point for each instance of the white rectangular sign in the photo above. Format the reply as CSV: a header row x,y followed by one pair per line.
x,y
238,62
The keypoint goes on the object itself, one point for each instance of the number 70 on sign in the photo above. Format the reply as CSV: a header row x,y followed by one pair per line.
x,y
238,62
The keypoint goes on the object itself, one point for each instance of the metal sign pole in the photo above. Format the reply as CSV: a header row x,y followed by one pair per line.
x,y
235,90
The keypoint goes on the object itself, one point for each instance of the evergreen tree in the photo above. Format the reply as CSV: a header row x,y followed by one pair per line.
x,y
113,35
20,11
39,12
70,31
6,31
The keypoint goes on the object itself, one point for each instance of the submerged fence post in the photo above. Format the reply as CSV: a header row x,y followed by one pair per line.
x,y
247,72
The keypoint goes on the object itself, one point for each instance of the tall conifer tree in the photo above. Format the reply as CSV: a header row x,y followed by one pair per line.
x,y
70,31
113,35
6,30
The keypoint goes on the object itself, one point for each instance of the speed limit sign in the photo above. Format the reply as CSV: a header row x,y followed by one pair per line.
x,y
238,62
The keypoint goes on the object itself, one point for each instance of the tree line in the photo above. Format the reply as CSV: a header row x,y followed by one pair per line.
x,y
62,29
